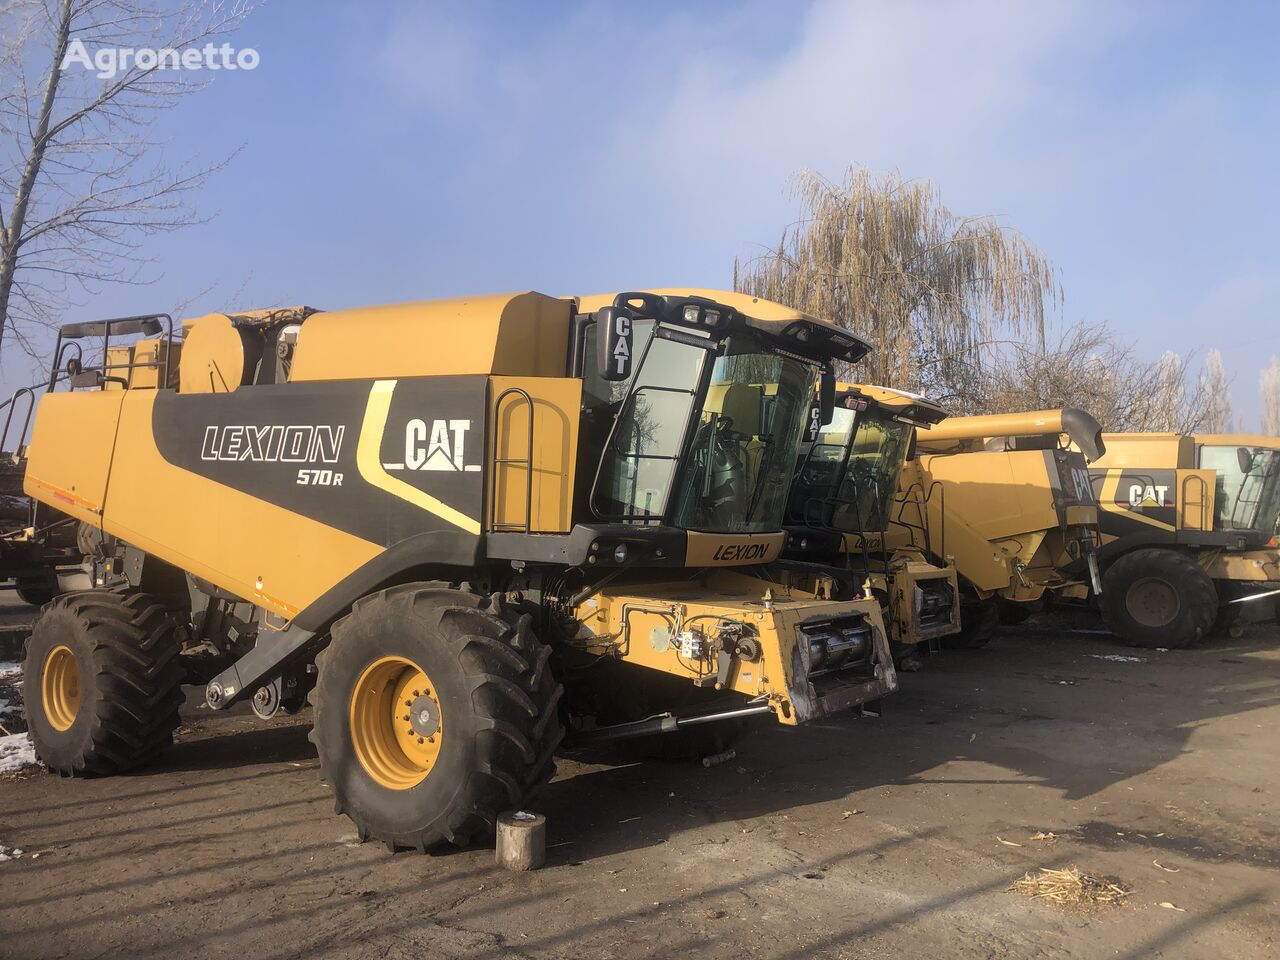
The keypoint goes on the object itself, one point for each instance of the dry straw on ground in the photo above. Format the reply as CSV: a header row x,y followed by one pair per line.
x,y
1069,886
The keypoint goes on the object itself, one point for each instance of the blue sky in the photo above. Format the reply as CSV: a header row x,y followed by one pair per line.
x,y
398,151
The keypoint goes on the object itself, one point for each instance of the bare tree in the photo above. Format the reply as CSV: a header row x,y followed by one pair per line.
x,y
1088,367
883,257
81,183
1269,388
1215,390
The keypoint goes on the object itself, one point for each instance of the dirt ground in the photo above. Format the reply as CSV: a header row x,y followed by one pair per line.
x,y
858,838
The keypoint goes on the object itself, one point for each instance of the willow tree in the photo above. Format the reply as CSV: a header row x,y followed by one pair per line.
x,y
883,257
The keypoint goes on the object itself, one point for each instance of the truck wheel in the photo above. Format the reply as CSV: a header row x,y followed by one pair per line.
x,y
1013,612
1158,598
435,710
37,589
1228,613
103,682
978,623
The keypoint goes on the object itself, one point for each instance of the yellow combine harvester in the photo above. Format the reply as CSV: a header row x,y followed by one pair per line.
x,y
462,526
841,506
1003,500
1189,526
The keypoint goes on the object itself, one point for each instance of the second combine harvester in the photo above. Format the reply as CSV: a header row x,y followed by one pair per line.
x,y
460,525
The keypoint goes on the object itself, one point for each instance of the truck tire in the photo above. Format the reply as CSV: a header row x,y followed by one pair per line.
x,y
37,589
435,710
103,682
1158,598
1228,613
1013,612
979,620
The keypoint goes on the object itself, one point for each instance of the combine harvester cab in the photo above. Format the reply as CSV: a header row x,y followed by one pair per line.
x,y
462,527
1189,525
1007,502
840,509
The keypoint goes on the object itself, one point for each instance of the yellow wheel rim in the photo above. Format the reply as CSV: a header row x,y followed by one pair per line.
x,y
395,721
60,687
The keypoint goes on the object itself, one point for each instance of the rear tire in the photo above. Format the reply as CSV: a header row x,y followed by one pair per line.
x,y
486,695
37,589
1158,598
103,682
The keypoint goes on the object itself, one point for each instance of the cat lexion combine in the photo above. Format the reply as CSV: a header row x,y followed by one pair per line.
x,y
462,528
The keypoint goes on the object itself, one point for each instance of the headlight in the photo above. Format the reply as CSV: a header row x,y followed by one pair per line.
x,y
620,553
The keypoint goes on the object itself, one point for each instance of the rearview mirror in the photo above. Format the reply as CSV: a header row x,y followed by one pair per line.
x,y
1244,456
614,346
827,395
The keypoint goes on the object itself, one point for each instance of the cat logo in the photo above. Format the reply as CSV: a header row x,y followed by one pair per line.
x,y
615,343
1080,478
1148,495
815,424
441,447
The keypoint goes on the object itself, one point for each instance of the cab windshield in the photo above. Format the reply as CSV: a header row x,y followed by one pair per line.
x,y
1244,500
717,462
859,498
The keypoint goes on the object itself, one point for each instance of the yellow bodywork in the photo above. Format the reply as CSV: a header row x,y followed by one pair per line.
x,y
642,624
512,334
992,514
1195,494
545,503
907,571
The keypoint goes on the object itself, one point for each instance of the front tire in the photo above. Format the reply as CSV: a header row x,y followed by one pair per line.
x,y
1158,598
435,710
103,682
979,620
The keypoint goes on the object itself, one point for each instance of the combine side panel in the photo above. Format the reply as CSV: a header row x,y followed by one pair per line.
x,y
1153,501
69,457
545,503
279,492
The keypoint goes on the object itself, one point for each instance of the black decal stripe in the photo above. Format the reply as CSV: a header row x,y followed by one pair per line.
x,y
180,423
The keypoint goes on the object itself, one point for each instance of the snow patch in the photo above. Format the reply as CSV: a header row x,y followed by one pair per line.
x,y
9,853
16,753
1116,658
10,671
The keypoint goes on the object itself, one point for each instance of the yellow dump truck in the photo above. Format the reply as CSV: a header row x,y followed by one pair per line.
x,y
1003,499
1189,524
462,527
840,509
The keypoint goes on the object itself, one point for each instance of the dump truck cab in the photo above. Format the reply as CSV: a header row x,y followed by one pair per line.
x,y
842,503
514,513
1008,501
1189,525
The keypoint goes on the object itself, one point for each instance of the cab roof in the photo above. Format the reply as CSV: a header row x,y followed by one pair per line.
x,y
767,316
899,403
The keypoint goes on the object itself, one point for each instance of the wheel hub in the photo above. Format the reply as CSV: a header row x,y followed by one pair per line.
x,y
424,716
60,687
396,723
1152,603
